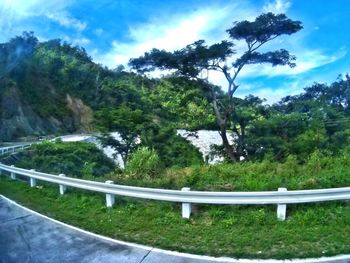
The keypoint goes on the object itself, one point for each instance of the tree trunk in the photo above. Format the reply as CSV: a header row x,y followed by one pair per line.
x,y
222,122
228,148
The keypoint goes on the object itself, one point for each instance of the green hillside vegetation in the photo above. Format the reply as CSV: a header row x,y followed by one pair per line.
x,y
311,230
53,87
300,142
75,159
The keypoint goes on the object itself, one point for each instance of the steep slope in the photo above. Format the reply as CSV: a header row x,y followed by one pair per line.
x,y
44,88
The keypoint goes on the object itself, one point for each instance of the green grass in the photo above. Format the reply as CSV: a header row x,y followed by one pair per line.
x,y
319,171
311,230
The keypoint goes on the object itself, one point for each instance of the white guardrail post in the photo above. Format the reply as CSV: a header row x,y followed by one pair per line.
x,y
110,198
13,175
281,208
63,188
32,180
186,197
186,207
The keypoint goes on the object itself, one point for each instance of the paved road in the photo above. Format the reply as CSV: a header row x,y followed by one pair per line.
x,y
29,237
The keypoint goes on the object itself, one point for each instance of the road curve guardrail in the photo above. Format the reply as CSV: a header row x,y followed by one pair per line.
x,y
185,196
14,148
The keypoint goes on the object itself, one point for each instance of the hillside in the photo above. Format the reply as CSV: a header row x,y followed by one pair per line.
x,y
50,87
53,87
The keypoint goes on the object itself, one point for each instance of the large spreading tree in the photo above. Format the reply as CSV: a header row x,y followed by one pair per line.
x,y
196,60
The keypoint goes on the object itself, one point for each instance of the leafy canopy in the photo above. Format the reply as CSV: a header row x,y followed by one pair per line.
x,y
196,59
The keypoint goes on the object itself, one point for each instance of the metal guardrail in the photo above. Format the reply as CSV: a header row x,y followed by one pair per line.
x,y
14,148
185,196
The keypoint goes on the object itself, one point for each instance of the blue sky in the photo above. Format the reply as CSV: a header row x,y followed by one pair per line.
x,y
112,31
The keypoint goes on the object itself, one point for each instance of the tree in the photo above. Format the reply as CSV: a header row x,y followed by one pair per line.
x,y
129,124
196,59
247,111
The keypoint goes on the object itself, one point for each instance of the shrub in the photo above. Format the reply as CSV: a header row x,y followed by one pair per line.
x,y
144,162
75,159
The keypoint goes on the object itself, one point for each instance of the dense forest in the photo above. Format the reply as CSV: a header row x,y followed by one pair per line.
x,y
52,87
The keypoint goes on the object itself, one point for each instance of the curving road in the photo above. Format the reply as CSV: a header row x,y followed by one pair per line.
x,y
26,236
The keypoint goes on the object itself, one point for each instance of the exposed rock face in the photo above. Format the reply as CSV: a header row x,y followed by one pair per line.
x,y
18,119
82,114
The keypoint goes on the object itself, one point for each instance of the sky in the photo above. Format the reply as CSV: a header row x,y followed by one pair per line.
x,y
113,31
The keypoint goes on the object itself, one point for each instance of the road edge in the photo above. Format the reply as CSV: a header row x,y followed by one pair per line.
x,y
182,254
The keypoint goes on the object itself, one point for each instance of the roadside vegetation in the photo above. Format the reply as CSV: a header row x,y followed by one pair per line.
x,y
84,160
311,230
73,159
300,142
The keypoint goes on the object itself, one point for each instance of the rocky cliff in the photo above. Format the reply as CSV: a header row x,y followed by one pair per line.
x,y
43,88
18,118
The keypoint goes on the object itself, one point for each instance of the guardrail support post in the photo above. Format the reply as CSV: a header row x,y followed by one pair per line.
x,y
13,175
63,188
110,198
32,180
281,208
186,207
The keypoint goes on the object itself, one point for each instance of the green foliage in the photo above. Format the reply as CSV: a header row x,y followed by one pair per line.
x,y
184,102
320,170
198,58
127,122
143,163
173,150
41,75
73,159
218,230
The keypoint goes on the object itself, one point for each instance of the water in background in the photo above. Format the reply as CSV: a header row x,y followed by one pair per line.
x,y
202,139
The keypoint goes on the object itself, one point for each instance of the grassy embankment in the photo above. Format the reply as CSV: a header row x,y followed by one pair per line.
x,y
311,230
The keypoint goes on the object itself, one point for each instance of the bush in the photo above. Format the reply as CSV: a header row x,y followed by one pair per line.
x,y
75,159
143,163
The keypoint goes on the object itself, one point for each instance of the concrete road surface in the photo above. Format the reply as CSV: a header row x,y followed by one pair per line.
x,y
26,236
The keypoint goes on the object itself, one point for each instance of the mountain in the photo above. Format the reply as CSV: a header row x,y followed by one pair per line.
x,y
52,87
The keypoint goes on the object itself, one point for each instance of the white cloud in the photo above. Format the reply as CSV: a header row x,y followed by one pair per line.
x,y
277,6
170,36
13,15
98,32
175,32
82,41
306,61
273,95
66,20
25,8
